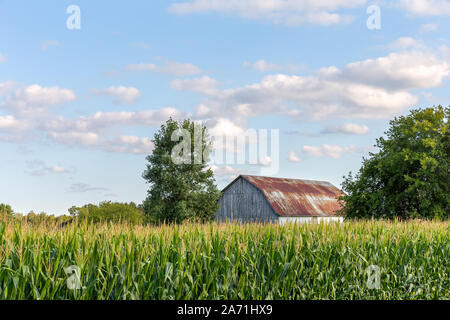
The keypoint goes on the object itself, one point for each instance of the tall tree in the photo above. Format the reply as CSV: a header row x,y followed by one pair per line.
x,y
181,184
409,176
6,209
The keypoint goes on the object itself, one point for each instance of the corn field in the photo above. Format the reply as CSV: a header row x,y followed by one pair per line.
x,y
225,261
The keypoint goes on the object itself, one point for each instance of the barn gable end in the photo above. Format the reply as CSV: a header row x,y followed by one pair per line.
x,y
244,202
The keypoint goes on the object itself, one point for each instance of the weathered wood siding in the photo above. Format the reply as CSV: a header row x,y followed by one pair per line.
x,y
243,202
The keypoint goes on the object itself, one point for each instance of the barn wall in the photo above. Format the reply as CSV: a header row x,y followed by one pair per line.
x,y
302,220
243,202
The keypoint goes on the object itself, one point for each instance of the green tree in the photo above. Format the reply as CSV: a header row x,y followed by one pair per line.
x,y
6,210
181,184
108,211
409,176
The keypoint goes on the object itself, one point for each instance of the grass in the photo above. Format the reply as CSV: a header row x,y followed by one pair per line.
x,y
228,261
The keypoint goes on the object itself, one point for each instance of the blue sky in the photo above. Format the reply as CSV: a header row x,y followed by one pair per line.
x,y
78,108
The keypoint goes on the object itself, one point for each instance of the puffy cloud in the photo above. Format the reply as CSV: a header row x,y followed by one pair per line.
x,y
406,70
96,131
3,59
205,85
333,151
287,12
225,127
168,67
265,161
74,138
293,157
146,117
8,122
372,88
224,132
122,94
129,144
100,121
34,99
347,128
120,144
427,7
13,129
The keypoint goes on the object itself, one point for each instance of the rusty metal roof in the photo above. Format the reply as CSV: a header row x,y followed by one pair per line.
x,y
298,198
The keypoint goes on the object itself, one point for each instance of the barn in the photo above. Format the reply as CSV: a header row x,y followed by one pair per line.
x,y
266,199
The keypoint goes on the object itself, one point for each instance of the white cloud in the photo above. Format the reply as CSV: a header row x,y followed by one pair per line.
x,y
120,144
265,161
202,111
373,88
223,127
145,118
426,7
34,99
3,59
205,85
129,144
40,168
406,70
224,171
11,123
75,138
220,129
83,187
168,67
122,94
333,151
428,27
347,128
7,122
13,129
263,66
293,157
49,43
96,131
287,12
6,87
405,43
101,121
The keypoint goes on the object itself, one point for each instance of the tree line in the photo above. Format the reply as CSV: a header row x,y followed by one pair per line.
x,y
408,177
